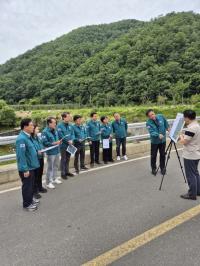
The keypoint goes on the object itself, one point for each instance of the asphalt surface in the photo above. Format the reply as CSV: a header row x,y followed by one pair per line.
x,y
96,211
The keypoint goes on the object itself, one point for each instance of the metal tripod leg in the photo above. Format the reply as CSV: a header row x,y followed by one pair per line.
x,y
180,162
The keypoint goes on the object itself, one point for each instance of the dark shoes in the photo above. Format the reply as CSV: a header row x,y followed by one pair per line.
x,y
70,174
154,172
98,163
188,197
163,171
43,190
84,168
112,161
64,177
105,162
37,196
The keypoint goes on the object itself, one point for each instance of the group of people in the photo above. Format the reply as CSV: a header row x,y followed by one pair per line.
x,y
56,138
54,141
157,126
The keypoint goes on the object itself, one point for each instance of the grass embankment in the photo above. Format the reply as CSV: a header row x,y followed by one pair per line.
x,y
132,113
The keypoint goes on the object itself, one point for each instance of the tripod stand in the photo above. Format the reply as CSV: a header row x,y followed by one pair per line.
x,y
168,153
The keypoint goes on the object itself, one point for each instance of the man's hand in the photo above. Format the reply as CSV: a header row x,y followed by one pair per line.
x,y
39,152
90,142
70,142
181,139
57,142
26,174
161,136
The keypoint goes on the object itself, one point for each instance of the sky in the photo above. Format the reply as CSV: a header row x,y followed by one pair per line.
x,y
27,23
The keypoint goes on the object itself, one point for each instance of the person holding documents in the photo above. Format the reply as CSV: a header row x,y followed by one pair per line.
x,y
191,154
157,126
27,163
66,134
106,136
80,136
120,128
94,134
50,140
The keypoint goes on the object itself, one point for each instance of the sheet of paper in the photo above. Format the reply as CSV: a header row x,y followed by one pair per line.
x,y
71,149
49,148
106,143
177,127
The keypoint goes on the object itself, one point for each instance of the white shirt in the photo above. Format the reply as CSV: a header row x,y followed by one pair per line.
x,y
191,150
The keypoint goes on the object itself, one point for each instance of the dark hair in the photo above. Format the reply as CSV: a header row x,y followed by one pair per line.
x,y
65,114
76,117
189,114
49,119
92,114
25,123
103,117
149,111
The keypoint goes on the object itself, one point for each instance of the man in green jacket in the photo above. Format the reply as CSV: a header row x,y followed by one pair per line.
x,y
120,128
66,134
157,126
94,134
106,134
50,139
27,163
80,136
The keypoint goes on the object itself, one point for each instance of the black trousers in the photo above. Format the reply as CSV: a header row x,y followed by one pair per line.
x,y
79,155
27,187
154,151
119,142
64,162
94,151
193,177
38,176
107,154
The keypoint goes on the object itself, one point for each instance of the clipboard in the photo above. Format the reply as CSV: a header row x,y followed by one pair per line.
x,y
71,149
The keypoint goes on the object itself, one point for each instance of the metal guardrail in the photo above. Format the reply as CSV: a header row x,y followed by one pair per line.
x,y
137,130
10,157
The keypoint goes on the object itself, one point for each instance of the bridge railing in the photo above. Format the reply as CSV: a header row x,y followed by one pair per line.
x,y
137,132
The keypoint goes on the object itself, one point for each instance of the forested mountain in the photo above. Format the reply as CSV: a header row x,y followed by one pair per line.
x,y
118,63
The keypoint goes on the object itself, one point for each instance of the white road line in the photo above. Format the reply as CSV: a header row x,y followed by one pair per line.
x,y
93,169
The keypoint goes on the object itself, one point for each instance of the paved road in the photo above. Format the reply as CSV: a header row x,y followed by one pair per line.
x,y
97,211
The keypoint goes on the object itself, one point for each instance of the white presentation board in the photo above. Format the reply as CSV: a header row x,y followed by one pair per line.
x,y
177,127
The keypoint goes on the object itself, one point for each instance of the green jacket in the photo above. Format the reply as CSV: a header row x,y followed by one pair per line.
x,y
106,131
26,153
157,127
80,133
120,128
94,130
65,132
38,145
48,137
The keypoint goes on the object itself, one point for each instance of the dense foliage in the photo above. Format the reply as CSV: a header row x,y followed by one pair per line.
x,y
7,115
120,63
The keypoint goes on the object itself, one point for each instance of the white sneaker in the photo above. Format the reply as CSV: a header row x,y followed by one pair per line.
x,y
57,181
125,158
50,185
118,158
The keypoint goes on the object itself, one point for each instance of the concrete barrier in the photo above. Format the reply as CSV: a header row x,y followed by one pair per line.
x,y
9,173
